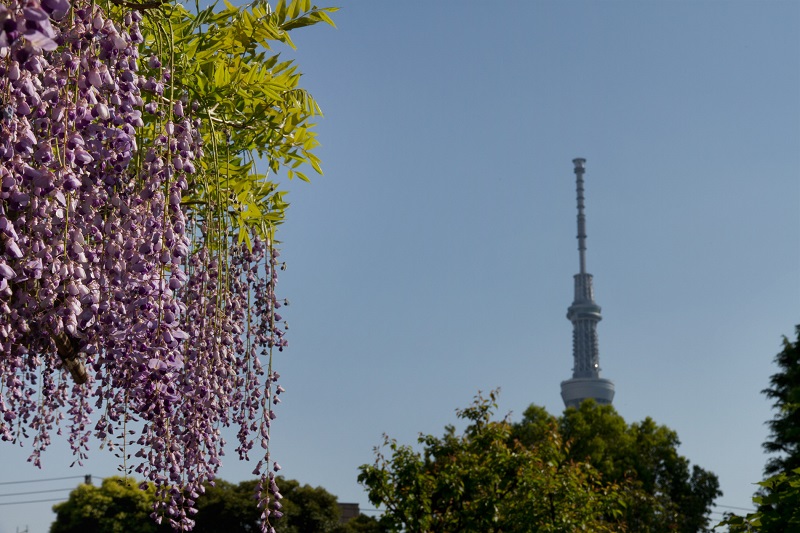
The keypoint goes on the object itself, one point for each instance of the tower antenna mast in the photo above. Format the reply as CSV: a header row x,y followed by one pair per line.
x,y
579,170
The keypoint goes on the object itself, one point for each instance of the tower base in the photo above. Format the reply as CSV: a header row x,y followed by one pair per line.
x,y
575,390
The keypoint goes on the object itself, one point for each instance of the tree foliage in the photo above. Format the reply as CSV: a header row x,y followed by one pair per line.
x,y
586,470
483,480
778,497
122,505
665,493
784,391
119,505
229,507
137,233
307,508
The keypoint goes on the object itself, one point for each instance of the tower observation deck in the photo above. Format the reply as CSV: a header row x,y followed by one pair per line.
x,y
584,313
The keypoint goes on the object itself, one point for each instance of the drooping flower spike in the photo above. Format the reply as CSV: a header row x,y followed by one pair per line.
x,y
137,253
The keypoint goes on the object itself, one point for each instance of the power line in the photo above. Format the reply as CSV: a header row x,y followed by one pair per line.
x,y
34,501
39,480
737,508
34,492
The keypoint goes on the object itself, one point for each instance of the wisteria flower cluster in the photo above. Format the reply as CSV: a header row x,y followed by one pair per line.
x,y
137,270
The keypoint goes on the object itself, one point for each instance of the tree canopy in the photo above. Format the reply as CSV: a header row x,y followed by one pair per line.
x,y
586,470
119,505
778,497
665,493
784,390
483,480
122,505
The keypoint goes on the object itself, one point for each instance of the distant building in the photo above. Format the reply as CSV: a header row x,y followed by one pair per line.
x,y
584,314
348,511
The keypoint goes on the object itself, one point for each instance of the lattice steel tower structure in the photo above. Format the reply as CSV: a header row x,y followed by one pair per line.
x,y
584,314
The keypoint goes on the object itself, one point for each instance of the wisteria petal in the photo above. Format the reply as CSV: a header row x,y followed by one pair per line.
x,y
12,249
7,272
57,8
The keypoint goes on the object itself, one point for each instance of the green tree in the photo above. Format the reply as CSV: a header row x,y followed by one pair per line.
x,y
314,509
778,498
665,493
784,390
119,505
364,524
228,507
307,508
778,503
483,480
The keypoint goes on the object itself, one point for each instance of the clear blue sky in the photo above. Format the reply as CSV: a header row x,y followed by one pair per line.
x,y
435,257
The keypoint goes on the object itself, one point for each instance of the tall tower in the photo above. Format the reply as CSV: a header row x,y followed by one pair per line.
x,y
584,314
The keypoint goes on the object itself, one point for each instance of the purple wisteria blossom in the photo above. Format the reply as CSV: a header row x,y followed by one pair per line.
x,y
105,278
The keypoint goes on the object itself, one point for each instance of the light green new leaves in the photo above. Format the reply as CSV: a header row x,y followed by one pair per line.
x,y
251,105
485,480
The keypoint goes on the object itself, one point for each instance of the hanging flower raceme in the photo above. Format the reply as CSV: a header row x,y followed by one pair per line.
x,y
137,259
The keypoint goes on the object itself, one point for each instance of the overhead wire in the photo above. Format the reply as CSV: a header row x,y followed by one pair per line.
x,y
35,492
749,509
40,480
34,501
26,493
